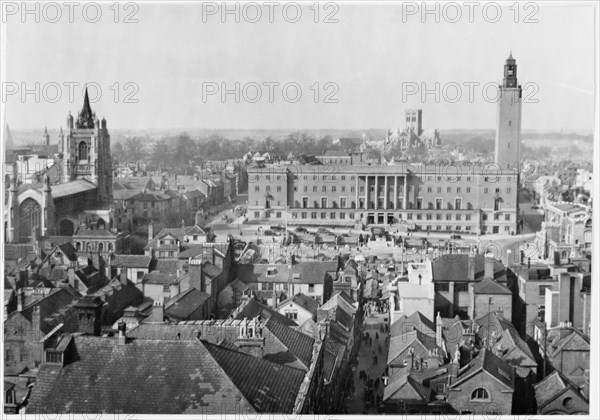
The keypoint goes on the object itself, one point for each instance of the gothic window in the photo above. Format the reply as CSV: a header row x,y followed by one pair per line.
x,y
83,151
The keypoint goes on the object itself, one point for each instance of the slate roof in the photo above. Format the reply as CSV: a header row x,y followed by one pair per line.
x,y
553,385
131,261
402,380
456,268
185,304
490,287
92,278
254,308
56,300
304,301
157,277
490,363
71,188
269,387
211,270
299,344
94,233
313,271
163,377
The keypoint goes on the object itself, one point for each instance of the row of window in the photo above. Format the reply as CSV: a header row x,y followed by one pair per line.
x,y
353,178
381,190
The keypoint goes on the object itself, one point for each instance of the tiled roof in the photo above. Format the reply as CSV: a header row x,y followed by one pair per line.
x,y
416,321
269,387
299,344
157,277
142,376
258,273
313,271
167,266
490,287
183,305
211,270
421,343
131,261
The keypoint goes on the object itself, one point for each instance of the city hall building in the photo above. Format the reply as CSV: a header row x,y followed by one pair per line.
x,y
481,199
450,198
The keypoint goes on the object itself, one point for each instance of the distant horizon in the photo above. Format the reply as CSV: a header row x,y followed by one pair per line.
x,y
354,72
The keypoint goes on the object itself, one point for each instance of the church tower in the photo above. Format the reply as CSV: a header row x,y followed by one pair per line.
x,y
86,150
508,122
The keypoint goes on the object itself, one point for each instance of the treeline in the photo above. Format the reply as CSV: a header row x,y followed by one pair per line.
x,y
183,150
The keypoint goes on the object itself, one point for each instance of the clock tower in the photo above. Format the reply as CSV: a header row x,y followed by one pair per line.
x,y
508,122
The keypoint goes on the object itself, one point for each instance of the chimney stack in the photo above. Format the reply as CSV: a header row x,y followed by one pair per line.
x,y
150,231
198,218
122,339
489,266
438,330
471,267
20,297
158,311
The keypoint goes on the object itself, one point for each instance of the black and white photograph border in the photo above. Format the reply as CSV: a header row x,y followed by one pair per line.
x,y
316,209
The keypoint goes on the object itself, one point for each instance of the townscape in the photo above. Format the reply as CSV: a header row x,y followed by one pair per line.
x,y
340,281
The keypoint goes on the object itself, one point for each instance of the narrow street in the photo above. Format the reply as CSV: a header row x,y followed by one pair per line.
x,y
363,398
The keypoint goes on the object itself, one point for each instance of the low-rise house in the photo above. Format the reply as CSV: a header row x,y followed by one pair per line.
x,y
192,304
299,307
485,386
556,395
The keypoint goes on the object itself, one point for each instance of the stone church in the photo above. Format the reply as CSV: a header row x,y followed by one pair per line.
x,y
78,198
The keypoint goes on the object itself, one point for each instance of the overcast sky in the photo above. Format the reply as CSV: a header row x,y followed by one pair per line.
x,y
368,57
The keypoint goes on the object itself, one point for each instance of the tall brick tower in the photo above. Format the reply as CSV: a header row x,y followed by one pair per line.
x,y
508,123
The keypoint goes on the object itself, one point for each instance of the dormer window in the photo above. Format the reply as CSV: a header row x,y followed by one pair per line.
x,y
54,357
296,276
271,271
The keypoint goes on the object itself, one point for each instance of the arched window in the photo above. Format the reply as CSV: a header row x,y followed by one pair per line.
x,y
480,394
100,246
78,246
83,151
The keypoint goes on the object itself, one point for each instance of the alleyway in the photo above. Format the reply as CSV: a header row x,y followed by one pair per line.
x,y
363,399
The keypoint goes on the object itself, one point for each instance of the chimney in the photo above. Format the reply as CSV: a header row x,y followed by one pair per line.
x,y
198,218
528,262
150,231
556,258
489,266
158,311
20,297
471,268
438,330
122,339
36,319
182,223
123,276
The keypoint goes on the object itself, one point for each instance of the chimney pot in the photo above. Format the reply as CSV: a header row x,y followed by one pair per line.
x,y
122,327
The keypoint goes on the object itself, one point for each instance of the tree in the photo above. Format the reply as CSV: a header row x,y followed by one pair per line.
x,y
118,152
162,152
185,150
135,149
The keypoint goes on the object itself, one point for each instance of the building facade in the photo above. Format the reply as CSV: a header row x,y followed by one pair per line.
x,y
457,198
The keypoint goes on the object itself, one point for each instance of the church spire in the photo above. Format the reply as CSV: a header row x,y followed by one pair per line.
x,y
86,116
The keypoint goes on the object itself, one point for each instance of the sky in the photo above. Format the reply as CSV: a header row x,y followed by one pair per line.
x,y
357,67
